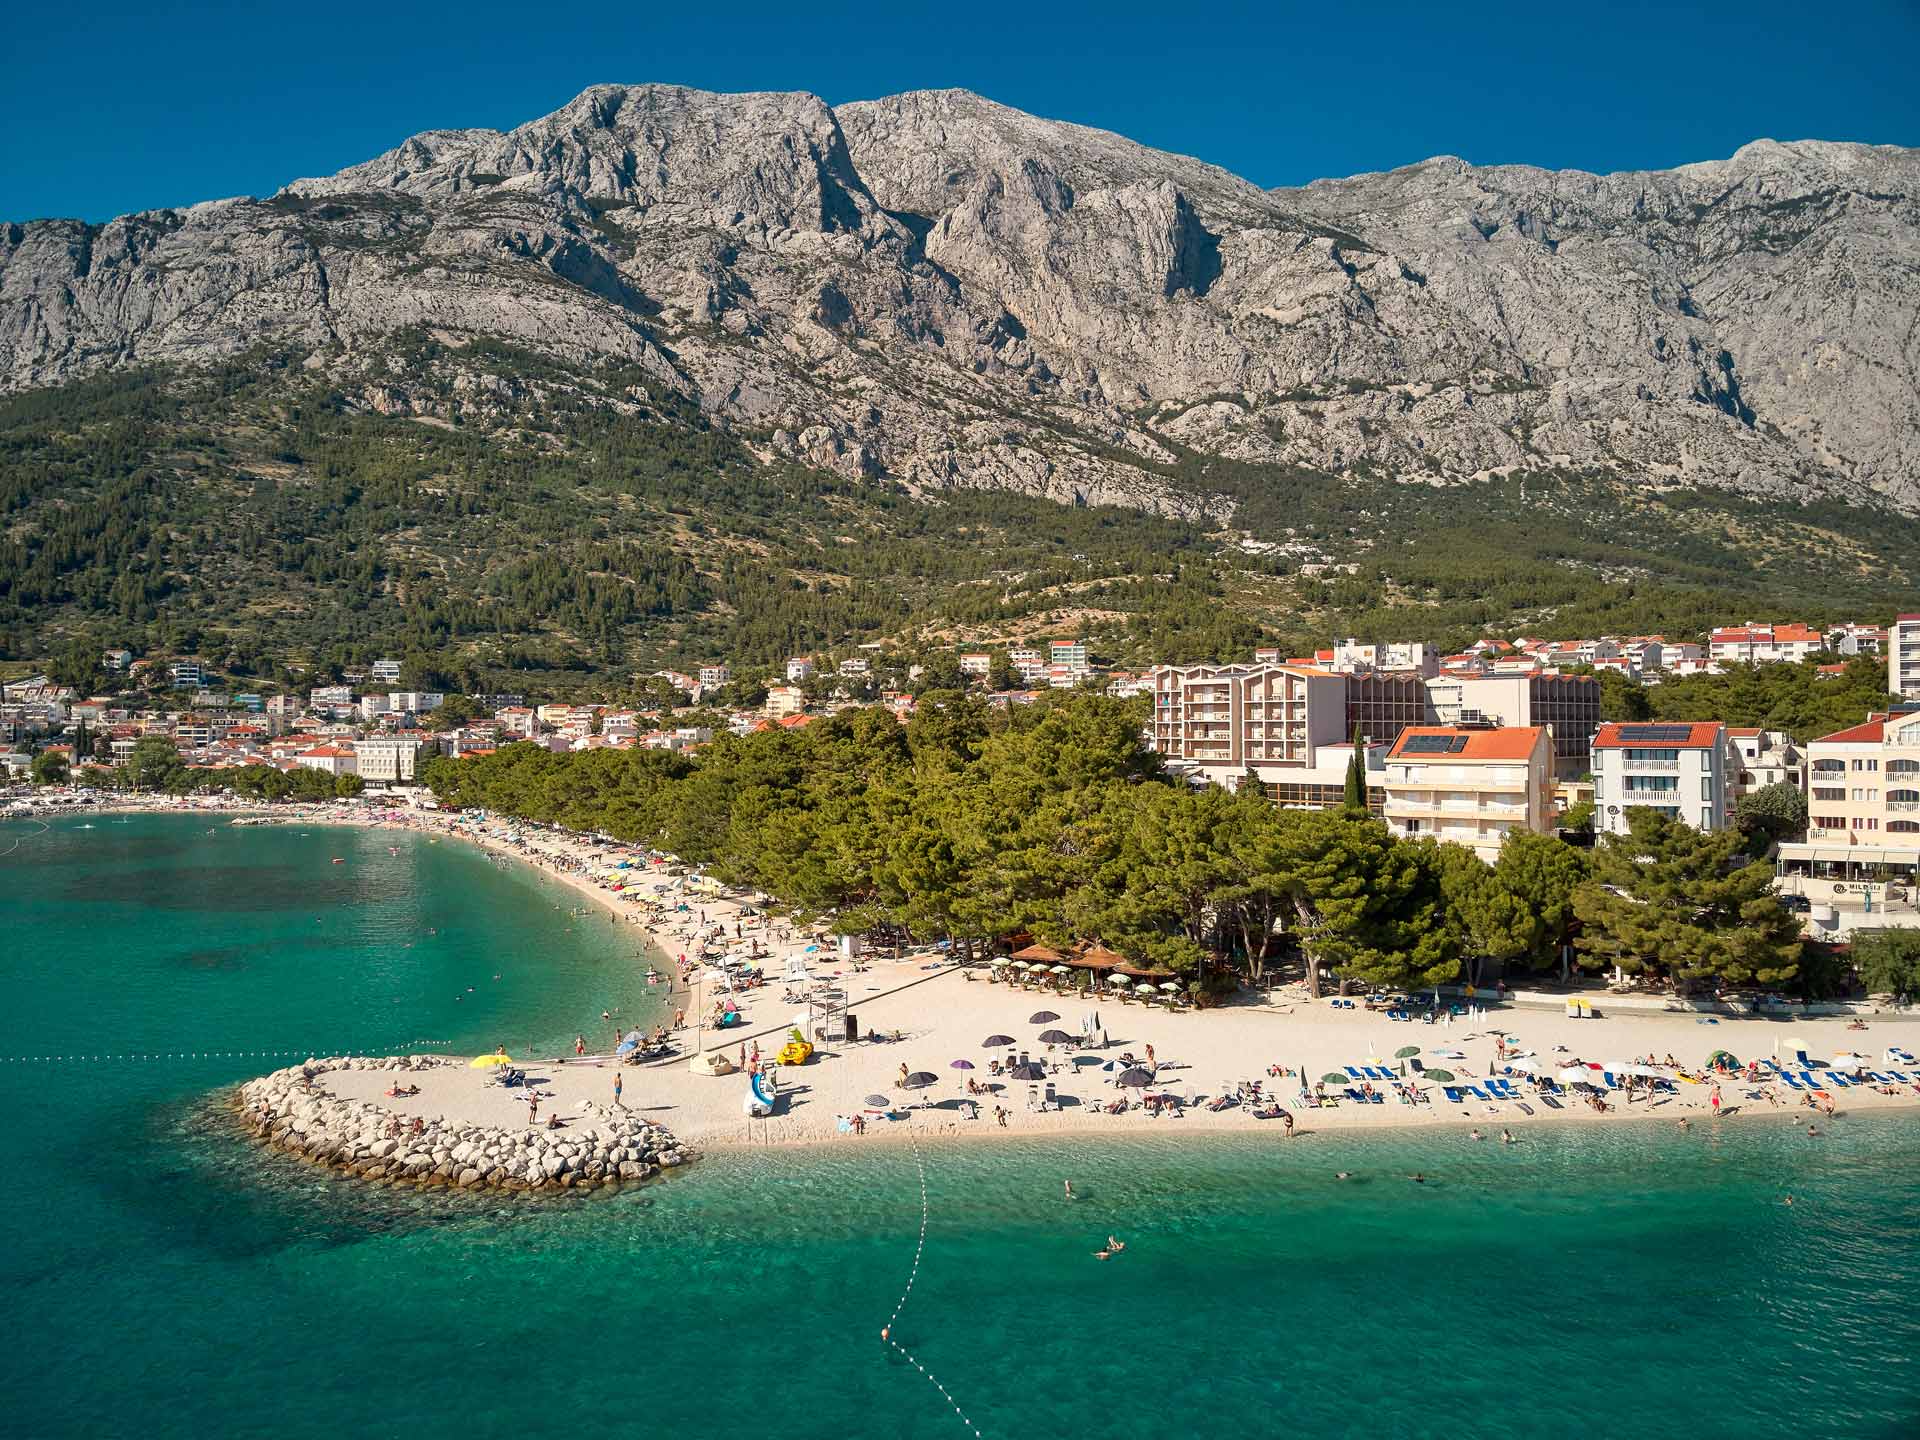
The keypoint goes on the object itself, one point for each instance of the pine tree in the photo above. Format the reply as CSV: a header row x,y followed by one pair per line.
x,y
1356,792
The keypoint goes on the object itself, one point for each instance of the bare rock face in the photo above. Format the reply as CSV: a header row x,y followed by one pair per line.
x,y
947,292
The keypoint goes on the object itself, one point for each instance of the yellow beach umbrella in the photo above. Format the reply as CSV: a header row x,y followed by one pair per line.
x,y
482,1062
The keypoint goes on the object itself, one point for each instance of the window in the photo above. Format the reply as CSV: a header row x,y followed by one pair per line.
x,y
1866,824
1904,827
1829,792
1829,822
1643,757
1866,766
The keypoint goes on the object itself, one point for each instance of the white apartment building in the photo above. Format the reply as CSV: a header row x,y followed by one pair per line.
x,y
799,667
785,700
388,759
1860,861
1679,769
1903,657
386,672
1763,644
373,705
186,674
1471,786
857,666
714,676
1351,657
332,759
1569,705
1070,653
976,663
1856,639
1227,720
414,702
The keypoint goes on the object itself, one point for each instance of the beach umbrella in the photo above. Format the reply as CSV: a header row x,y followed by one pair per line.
x,y
1043,1017
921,1077
1055,1037
1406,1052
1840,1062
1171,985
1335,1077
999,960
1136,1077
961,1065
1443,1076
882,1101
482,1062
1021,965
1030,1071
1061,970
993,1042
1144,988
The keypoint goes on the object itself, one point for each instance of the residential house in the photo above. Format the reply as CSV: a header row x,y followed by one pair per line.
x,y
1680,769
799,668
1470,785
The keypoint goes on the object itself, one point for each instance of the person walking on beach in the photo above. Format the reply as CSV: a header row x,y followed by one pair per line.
x,y
617,1087
533,1109
1714,1099
579,1045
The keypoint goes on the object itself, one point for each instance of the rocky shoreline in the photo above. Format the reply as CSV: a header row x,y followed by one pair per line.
x,y
293,1111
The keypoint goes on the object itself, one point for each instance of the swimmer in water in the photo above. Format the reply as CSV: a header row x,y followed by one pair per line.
x,y
1417,1178
1070,1194
1506,1137
1476,1135
1342,1175
1114,1247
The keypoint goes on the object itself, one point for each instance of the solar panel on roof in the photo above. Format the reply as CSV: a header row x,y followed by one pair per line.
x,y
1656,734
1433,744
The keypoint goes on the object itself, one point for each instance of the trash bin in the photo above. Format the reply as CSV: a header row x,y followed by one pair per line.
x,y
853,1028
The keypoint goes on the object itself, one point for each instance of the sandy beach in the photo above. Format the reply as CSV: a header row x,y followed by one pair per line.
x,y
942,1013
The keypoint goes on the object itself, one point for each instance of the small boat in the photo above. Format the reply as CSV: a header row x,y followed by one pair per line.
x,y
338,860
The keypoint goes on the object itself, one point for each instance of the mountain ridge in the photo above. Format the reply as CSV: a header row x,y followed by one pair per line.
x,y
943,291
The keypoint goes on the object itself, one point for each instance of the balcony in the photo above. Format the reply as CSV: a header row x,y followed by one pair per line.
x,y
1668,766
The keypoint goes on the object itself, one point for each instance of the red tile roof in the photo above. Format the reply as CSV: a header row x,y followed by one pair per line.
x,y
1871,732
1701,735
1512,742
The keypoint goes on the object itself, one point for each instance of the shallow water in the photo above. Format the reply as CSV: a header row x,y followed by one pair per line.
x,y
173,1281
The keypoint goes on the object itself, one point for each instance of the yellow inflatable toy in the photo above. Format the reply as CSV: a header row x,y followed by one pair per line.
x,y
797,1050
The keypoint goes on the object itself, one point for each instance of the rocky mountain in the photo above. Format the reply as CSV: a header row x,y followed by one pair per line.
x,y
947,292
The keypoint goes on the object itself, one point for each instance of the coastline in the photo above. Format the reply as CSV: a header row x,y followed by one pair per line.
x,y
940,1012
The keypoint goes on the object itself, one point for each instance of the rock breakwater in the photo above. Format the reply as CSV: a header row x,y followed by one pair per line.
x,y
296,1111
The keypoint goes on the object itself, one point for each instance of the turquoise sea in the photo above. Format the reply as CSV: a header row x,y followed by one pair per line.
x,y
165,1279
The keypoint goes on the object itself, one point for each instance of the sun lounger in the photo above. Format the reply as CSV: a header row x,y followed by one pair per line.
x,y
1452,1092
1791,1081
1502,1089
1477,1092
1836,1079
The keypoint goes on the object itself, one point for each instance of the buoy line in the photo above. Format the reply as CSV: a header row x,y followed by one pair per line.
x,y
19,840
156,1055
920,1249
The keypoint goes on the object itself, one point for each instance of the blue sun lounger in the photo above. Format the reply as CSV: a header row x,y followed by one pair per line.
x,y
1791,1081
1452,1092
1502,1089
1837,1080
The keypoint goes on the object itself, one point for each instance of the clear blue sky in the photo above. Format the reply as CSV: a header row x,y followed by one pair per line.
x,y
110,107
